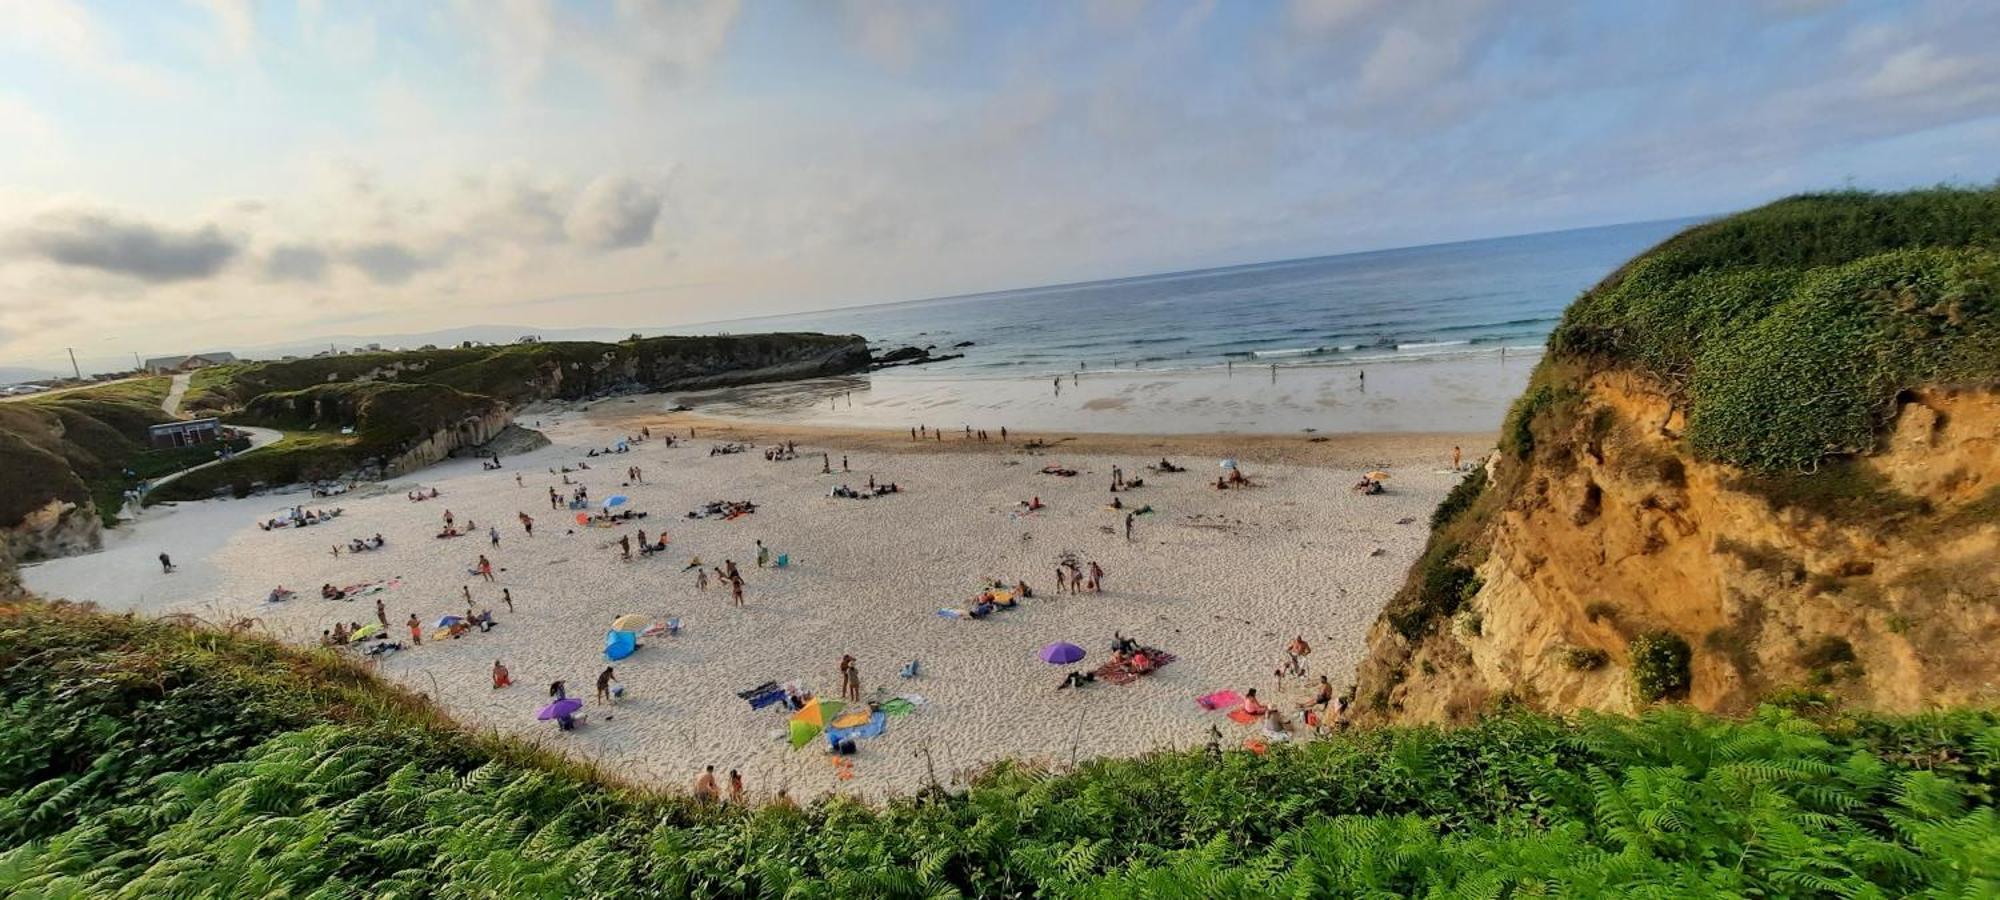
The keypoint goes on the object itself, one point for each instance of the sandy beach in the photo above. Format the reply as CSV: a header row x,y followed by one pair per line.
x,y
1220,579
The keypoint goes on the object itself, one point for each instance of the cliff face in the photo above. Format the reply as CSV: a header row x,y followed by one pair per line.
x,y
58,528
1762,458
1883,590
468,433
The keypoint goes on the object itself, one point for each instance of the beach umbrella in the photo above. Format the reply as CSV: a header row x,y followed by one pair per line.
x,y
631,622
619,644
366,631
1061,653
811,719
563,707
448,621
1378,475
615,500
1229,463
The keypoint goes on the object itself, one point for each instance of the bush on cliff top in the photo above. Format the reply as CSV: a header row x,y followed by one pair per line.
x,y
1787,332
143,759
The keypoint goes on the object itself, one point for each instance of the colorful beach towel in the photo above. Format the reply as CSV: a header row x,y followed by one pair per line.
x,y
898,707
1242,716
873,727
1219,700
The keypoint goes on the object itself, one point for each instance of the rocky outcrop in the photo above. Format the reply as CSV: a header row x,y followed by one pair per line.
x,y
1876,580
465,434
58,528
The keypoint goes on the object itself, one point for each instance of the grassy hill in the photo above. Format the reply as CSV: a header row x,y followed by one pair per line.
x,y
76,445
143,758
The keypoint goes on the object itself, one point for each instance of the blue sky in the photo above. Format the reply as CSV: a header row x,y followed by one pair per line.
x,y
236,172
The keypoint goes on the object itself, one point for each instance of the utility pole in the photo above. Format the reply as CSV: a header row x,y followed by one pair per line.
x,y
136,364
72,363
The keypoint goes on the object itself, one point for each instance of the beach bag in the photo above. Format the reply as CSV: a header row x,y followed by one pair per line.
x,y
845,747
617,690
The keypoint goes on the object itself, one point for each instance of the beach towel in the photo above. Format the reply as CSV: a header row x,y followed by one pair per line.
x,y
853,719
1115,674
762,688
874,726
772,697
949,613
898,707
1242,717
1219,700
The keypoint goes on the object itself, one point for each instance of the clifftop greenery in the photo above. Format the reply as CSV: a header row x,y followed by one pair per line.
x,y
75,445
142,759
1787,332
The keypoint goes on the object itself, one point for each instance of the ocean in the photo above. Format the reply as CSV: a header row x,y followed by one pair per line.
x,y
1380,306
1422,339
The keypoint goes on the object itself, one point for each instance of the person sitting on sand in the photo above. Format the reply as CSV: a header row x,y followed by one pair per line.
x,y
1236,476
1141,663
1023,591
1117,503
501,678
1122,644
1276,723
1322,697
1076,680
705,788
1252,705
1221,484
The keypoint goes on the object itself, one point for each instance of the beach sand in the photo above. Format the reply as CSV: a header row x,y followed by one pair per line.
x,y
1222,579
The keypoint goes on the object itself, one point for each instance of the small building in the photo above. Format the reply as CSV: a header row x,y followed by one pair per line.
x,y
183,434
169,364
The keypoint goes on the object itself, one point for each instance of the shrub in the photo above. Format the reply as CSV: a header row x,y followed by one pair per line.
x,y
1660,662
1459,499
1584,659
1471,623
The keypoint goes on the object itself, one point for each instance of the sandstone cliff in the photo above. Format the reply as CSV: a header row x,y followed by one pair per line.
x,y
1796,493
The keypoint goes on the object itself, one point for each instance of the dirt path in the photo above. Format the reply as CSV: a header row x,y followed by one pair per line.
x,y
172,405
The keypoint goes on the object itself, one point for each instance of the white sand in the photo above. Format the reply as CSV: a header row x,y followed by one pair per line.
x,y
1222,579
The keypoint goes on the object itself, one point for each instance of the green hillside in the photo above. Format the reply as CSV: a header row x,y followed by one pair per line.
x,y
75,446
142,759
1787,331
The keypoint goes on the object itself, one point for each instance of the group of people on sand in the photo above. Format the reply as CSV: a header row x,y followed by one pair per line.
x,y
723,509
361,545
419,495
1072,578
872,490
300,517
1235,478
785,452
728,449
707,790
620,447
1129,659
926,433
490,463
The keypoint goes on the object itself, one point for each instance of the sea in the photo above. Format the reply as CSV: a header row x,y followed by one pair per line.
x,y
1444,299
1437,338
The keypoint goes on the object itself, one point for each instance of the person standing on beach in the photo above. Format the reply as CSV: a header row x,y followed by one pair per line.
x,y
850,679
1128,526
763,554
701,579
166,563
527,523
507,597
467,592
736,589
704,786
826,463
604,680
843,462
1096,578
1003,434
485,568
1454,458
493,535
913,434
1058,385
416,631
737,796
625,546
381,614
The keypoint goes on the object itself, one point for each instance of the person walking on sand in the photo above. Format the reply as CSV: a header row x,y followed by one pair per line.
x,y
736,590
466,591
763,554
1096,578
416,631
850,679
843,462
604,680
493,535
555,500
1062,580
704,786
1128,526
1058,385
527,523
826,463
485,568
517,480
507,597
625,546
700,579
737,796
381,614
166,563
1454,458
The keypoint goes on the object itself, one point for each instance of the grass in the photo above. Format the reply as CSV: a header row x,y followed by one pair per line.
x,y
296,457
139,758
1787,332
74,446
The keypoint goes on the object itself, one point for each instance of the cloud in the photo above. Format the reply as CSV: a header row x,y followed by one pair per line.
x,y
895,33
64,30
614,212
386,262
121,246
644,45
238,21
295,262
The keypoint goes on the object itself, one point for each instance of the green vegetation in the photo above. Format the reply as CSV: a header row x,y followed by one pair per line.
x,y
143,759
1460,498
1584,659
1660,666
75,445
297,457
1787,332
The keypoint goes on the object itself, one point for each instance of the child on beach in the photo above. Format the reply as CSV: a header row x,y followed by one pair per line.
x,y
416,630
501,678
604,682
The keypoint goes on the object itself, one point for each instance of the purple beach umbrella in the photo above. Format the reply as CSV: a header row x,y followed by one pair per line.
x,y
563,707
1061,653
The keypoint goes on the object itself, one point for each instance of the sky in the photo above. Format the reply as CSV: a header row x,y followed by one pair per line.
x,y
183,175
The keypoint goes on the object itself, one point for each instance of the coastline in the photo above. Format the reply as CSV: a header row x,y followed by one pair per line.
x,y
1219,578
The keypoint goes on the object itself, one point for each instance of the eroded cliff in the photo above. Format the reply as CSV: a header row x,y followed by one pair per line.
x,y
1762,459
